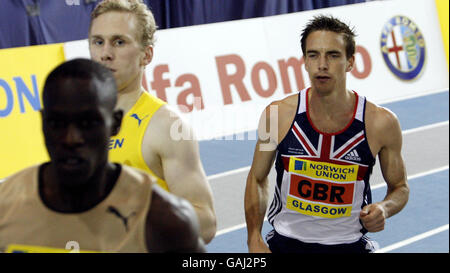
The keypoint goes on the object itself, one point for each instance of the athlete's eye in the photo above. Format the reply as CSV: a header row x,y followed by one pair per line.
x,y
97,42
119,42
55,123
88,123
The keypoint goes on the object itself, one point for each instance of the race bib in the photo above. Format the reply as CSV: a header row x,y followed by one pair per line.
x,y
321,189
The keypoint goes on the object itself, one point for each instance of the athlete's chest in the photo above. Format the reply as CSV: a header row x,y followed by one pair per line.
x,y
324,174
330,124
347,146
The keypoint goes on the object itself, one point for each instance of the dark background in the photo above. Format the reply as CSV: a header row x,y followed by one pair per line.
x,y
34,22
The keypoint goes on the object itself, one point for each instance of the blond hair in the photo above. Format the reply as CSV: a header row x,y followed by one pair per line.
x,y
144,16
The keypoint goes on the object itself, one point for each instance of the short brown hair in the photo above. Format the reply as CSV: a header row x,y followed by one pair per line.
x,y
145,18
330,23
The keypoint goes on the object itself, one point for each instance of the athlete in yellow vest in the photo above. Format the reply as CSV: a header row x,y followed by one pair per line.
x,y
121,38
126,147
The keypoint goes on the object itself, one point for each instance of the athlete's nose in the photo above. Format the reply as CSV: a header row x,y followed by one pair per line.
x,y
323,63
73,136
107,53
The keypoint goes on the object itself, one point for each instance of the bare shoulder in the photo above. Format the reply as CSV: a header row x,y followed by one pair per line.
x,y
280,109
162,121
382,128
288,103
277,117
167,127
172,224
381,118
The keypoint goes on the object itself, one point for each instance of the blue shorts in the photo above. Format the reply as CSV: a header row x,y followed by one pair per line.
x,y
282,244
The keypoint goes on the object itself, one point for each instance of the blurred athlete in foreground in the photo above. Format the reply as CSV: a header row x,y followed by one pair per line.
x,y
79,198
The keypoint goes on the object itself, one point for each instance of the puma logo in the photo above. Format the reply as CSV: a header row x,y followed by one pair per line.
x,y
138,119
114,211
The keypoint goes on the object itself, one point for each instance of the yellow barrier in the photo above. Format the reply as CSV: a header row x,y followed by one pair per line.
x,y
22,76
442,9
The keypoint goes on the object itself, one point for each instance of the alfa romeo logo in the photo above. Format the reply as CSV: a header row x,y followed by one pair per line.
x,y
403,47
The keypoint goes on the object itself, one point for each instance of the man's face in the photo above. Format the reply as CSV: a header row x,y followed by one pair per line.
x,y
326,62
114,42
77,126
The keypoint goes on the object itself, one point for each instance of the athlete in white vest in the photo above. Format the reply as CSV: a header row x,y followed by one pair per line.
x,y
324,149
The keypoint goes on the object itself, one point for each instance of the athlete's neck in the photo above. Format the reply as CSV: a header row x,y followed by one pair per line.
x,y
338,101
129,92
61,198
126,100
333,112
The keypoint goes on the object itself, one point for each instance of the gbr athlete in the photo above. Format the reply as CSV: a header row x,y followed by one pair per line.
x,y
324,150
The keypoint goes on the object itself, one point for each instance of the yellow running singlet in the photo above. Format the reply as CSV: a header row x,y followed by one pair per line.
x,y
126,147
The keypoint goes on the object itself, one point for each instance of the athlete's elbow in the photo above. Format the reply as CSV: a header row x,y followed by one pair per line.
x,y
208,227
405,195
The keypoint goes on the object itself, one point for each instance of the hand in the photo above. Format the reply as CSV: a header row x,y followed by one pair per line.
x,y
258,247
373,217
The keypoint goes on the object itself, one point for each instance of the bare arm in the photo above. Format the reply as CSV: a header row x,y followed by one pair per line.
x,y
172,224
182,169
389,136
256,191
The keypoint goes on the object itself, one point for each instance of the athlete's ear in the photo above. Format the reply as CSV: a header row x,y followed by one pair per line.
x,y
350,63
117,116
148,55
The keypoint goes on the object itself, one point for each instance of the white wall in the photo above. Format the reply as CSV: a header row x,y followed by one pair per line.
x,y
187,60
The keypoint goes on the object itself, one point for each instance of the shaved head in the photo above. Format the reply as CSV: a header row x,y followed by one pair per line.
x,y
99,78
78,120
